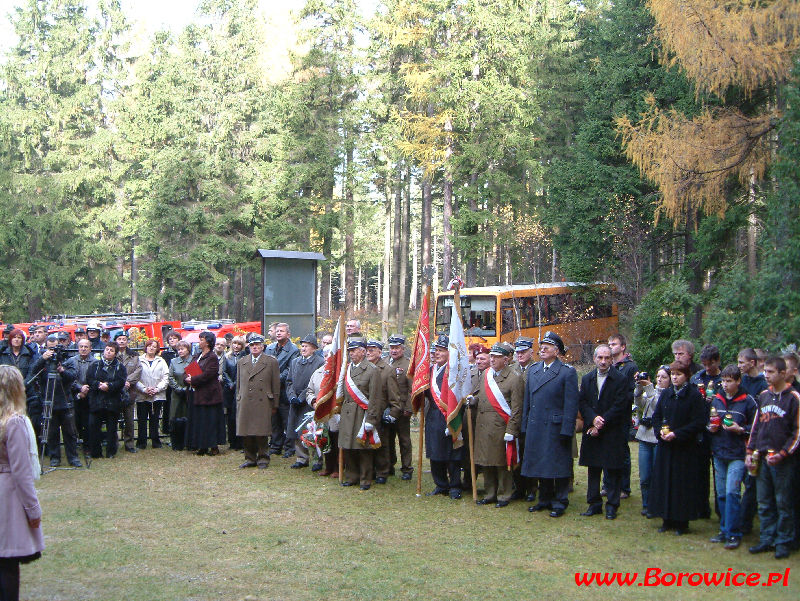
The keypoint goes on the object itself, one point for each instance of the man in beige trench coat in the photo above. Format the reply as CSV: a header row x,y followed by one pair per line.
x,y
499,414
258,389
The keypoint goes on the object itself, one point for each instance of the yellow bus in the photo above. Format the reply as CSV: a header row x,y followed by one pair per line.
x,y
582,314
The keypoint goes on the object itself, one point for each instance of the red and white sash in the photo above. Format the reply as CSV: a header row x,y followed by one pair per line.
x,y
495,396
436,392
359,397
370,439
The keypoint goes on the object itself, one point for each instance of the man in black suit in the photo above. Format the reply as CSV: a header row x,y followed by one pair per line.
x,y
603,403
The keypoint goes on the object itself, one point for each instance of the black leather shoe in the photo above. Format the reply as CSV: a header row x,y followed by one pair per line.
x,y
644,512
364,487
316,467
75,463
719,538
380,480
346,483
593,510
538,507
761,548
247,464
531,498
733,542
516,496
273,452
131,449
436,491
55,462
485,501
502,504
406,476
556,513
681,531
298,464
141,446
781,552
611,513
287,454
455,493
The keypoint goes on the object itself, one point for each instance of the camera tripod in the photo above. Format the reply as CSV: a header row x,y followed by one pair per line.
x,y
47,413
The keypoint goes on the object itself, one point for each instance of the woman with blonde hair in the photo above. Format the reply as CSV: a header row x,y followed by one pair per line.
x,y
21,539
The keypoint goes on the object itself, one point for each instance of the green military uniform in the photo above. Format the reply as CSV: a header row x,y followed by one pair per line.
x,y
401,429
391,395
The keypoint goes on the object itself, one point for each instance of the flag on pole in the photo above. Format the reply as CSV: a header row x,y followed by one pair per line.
x,y
459,381
419,369
330,392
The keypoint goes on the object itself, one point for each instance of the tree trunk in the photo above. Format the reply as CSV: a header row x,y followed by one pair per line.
x,y
134,276
252,311
412,298
387,265
397,209
696,271
447,214
225,292
404,234
238,300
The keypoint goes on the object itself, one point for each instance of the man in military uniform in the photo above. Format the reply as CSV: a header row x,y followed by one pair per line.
x,y
133,368
400,428
300,370
361,413
446,457
548,414
258,390
499,414
284,350
391,395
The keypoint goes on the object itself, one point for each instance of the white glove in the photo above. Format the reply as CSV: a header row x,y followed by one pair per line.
x,y
368,427
447,431
508,437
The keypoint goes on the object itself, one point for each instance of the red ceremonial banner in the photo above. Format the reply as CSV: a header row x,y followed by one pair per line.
x,y
326,399
419,369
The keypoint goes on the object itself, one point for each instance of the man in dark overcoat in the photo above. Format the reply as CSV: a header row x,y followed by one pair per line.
x,y
548,415
258,389
445,456
300,370
603,402
284,350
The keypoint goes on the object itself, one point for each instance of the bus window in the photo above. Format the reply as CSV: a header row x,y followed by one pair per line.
x,y
557,308
479,314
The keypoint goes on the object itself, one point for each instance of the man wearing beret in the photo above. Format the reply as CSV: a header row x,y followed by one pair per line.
x,y
258,390
300,370
445,457
548,416
361,413
499,415
391,395
401,427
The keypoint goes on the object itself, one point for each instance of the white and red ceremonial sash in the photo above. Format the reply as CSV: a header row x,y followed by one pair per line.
x,y
359,397
436,392
495,396
369,439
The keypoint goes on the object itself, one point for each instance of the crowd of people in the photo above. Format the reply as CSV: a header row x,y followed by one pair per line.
x,y
734,430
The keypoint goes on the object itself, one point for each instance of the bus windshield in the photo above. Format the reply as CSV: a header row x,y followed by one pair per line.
x,y
479,314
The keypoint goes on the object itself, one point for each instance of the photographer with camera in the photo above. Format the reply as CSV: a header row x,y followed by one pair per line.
x,y
646,396
54,383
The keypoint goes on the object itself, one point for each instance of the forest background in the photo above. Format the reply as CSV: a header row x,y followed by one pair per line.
x,y
653,144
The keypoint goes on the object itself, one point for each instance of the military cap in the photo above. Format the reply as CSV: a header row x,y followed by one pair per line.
x,y
310,339
354,343
375,344
443,341
503,349
63,336
80,331
554,339
397,340
256,339
523,344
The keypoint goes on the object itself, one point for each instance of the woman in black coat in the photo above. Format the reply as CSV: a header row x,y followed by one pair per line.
x,y
206,416
676,489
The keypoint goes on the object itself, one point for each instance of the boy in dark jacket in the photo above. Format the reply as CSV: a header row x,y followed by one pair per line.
x,y
776,436
730,428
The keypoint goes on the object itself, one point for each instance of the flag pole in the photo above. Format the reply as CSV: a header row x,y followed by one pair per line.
x,y
471,450
421,450
345,360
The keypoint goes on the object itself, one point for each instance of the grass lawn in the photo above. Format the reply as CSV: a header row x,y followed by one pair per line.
x,y
165,525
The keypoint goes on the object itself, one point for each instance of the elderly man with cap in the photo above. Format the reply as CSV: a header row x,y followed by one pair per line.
x,y
445,456
400,428
499,414
258,390
300,370
391,396
361,413
548,417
